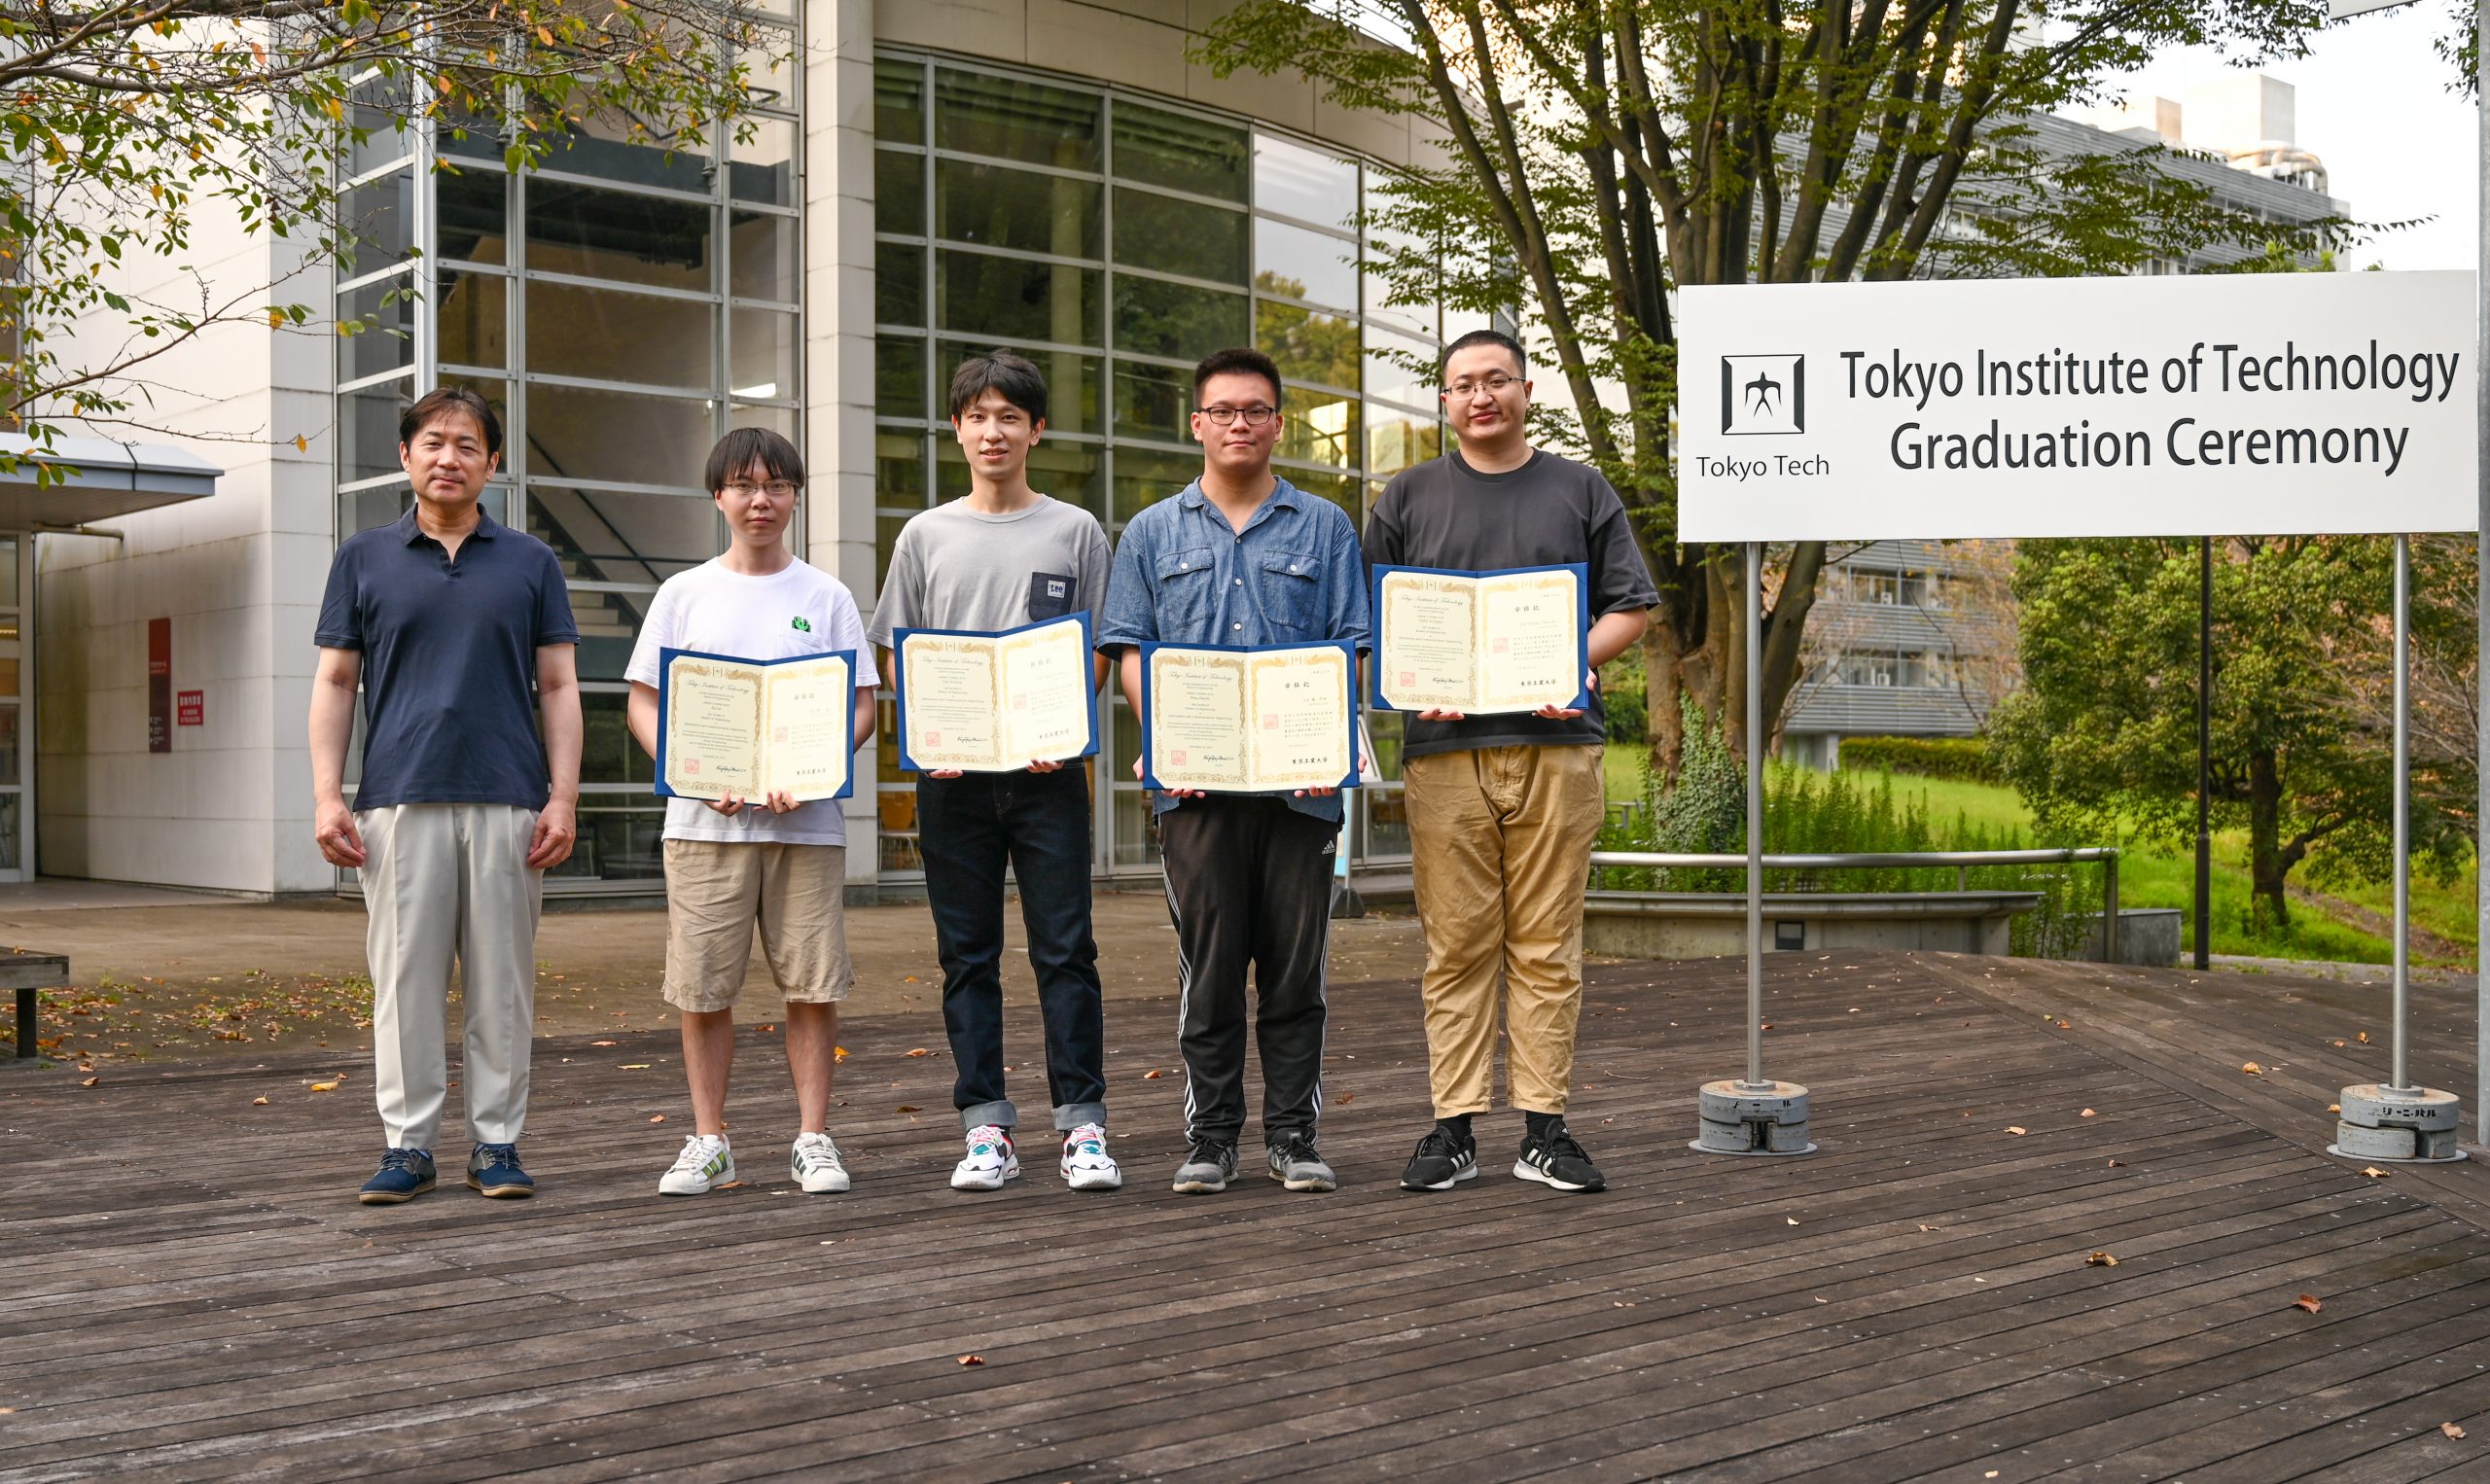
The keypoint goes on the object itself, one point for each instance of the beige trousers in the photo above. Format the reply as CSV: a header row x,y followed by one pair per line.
x,y
448,883
1501,839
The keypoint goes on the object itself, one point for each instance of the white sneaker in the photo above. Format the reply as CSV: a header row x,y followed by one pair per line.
x,y
990,1161
813,1163
705,1163
1086,1164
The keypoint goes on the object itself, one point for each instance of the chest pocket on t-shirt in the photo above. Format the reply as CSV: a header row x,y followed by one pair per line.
x,y
1291,592
1185,596
1049,595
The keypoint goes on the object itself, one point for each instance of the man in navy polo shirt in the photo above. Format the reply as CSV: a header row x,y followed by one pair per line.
x,y
1242,556
446,618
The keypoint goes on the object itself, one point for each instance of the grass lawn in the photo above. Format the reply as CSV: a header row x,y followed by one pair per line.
x,y
2161,879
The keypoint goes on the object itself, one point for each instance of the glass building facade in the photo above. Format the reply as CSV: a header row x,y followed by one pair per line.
x,y
623,306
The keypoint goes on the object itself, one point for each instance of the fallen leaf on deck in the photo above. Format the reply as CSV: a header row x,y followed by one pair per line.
x,y
2100,1259
2333,1107
1923,1226
2252,1068
972,1360
838,1054
2340,1042
2063,1026
2088,1113
1768,1025
636,1066
2115,1163
602,1043
2309,1302
732,1185
1348,1098
921,1051
259,1102
2375,1173
907,1107
324,1087
2016,1129
2450,1429
657,1117
88,1082
2364,1037
1791,1220
1153,1074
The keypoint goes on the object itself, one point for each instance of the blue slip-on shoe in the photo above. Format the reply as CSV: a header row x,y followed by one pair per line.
x,y
405,1173
493,1169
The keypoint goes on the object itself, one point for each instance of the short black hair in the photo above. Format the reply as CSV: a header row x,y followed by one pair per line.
x,y
1020,381
451,401
742,447
1236,361
1513,347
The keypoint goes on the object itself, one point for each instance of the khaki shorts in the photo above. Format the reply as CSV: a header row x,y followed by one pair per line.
x,y
717,892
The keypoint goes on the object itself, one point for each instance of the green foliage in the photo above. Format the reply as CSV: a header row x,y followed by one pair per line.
x,y
129,123
1966,758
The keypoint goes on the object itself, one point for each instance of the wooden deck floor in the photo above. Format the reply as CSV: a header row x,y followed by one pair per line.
x,y
192,1291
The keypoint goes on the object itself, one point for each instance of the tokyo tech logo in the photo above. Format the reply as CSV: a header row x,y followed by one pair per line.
x,y
1764,394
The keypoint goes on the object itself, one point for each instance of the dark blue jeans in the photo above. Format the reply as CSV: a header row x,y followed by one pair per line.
x,y
968,829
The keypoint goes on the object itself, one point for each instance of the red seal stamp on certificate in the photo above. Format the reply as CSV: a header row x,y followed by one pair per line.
x,y
692,766
1270,721
933,739
778,735
1176,758
1408,678
1503,646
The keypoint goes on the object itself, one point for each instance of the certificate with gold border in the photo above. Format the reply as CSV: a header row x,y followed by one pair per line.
x,y
1253,719
1482,642
750,727
995,701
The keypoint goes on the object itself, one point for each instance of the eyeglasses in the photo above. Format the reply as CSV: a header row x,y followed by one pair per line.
x,y
777,489
1493,383
1254,416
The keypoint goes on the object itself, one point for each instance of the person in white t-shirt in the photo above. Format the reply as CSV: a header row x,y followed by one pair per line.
x,y
769,861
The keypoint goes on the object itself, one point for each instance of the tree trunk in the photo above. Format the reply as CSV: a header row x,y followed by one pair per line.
x,y
1697,650
2266,864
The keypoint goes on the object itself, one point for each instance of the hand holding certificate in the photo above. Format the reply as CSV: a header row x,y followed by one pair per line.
x,y
1478,642
1249,720
995,702
743,728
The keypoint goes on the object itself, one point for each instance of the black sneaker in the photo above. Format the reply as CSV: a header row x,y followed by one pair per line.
x,y
1296,1165
405,1173
1440,1163
1207,1170
1558,1161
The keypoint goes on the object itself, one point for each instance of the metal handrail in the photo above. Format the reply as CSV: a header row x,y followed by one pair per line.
x,y
2107,855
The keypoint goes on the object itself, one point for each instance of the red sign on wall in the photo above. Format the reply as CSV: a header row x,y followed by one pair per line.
x,y
189,708
160,684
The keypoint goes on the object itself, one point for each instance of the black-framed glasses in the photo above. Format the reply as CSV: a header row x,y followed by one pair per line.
x,y
1254,416
1494,382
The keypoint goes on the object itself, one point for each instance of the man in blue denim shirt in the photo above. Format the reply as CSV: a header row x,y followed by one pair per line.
x,y
1243,557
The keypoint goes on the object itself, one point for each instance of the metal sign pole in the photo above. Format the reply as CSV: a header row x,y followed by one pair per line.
x,y
1751,1114
2396,1121
2481,588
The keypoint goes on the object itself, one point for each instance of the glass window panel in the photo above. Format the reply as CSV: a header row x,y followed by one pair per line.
x,y
605,537
368,509
9,581
1143,480
1174,319
769,66
613,335
1014,119
778,420
898,377
898,468
1387,816
618,234
615,844
762,347
1010,299
386,311
1339,488
9,754
470,134
615,144
1071,472
1174,236
899,284
1153,401
379,112
1382,307
1304,265
607,751
473,207
472,324
886,529
1136,843
625,436
1306,183
1321,430
496,394
1395,439
1072,382
762,167
379,217
899,192
762,259
899,101
1400,368
1181,152
1390,249
993,207
1309,346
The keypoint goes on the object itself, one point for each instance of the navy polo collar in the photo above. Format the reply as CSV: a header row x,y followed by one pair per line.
x,y
410,532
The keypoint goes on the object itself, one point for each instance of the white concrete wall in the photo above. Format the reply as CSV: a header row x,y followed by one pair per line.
x,y
240,574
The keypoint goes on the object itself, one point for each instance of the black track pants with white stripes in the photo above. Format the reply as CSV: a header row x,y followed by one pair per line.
x,y
1249,881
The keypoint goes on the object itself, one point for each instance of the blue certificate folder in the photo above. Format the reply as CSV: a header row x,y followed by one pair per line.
x,y
1581,629
1348,724
899,677
665,692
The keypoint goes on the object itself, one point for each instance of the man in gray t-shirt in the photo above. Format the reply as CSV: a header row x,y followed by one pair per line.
x,y
1001,556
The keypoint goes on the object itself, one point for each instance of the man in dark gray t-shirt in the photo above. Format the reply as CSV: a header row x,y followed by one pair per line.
x,y
1503,809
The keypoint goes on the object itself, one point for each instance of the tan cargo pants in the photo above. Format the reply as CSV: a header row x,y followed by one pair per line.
x,y
1501,839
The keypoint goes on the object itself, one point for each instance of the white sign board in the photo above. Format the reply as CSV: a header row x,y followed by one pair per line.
x,y
2237,403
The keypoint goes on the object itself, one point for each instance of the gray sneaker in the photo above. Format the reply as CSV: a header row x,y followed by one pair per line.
x,y
1296,1165
1207,1170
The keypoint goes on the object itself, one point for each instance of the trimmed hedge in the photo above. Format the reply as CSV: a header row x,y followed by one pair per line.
x,y
1964,757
